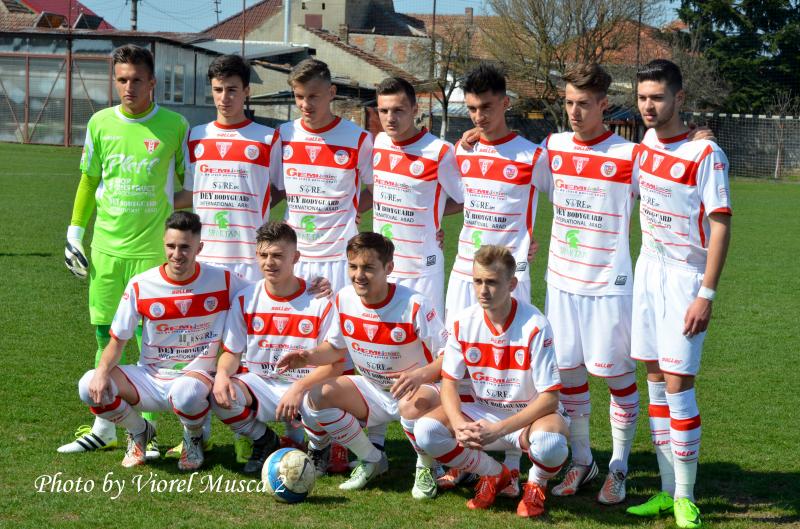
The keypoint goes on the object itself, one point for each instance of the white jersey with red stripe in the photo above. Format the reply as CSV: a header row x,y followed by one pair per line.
x,y
680,182
264,328
592,197
322,173
499,199
232,168
400,334
506,369
182,321
408,203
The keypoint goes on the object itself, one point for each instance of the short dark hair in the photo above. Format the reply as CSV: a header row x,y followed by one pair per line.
x,y
273,231
184,221
369,240
132,54
308,70
591,77
486,77
396,85
662,70
228,66
491,254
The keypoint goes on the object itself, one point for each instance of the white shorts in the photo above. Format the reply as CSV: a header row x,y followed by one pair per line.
x,y
511,441
381,406
267,392
333,271
594,331
247,271
153,388
661,296
461,294
431,286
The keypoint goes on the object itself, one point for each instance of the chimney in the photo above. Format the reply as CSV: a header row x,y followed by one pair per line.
x,y
468,15
344,33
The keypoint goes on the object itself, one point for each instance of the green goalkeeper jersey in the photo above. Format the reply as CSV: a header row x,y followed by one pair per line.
x,y
139,162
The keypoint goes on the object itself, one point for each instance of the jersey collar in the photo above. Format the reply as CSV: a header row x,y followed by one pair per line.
x,y
297,293
163,270
601,138
414,139
123,117
326,128
506,324
381,304
505,139
240,125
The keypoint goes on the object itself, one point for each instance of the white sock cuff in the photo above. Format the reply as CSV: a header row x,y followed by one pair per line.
x,y
657,392
683,405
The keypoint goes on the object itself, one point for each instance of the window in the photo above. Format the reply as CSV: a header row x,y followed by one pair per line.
x,y
174,83
177,84
168,82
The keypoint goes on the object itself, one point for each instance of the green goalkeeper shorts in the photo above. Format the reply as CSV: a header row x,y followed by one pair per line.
x,y
108,277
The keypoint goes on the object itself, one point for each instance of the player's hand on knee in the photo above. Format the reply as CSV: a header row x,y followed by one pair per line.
x,y
697,317
533,249
293,360
406,384
289,405
320,287
74,254
99,388
470,138
224,392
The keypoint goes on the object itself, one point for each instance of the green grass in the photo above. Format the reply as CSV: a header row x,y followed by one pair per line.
x,y
750,463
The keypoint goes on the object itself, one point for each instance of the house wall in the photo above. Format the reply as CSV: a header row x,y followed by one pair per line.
x,y
409,53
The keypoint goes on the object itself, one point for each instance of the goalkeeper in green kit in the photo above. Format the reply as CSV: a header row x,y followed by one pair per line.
x,y
133,159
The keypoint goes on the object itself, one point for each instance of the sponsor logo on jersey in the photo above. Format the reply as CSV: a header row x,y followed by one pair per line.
x,y
394,159
498,353
199,150
151,145
608,169
465,165
677,170
430,260
341,157
183,305
430,315
307,223
485,164
258,324
417,168
376,159
547,343
157,310
305,326
473,355
251,152
370,329
221,218
483,377
643,158
719,166
579,162
397,334
210,303
287,152
280,323
572,238
522,266
313,152
223,147
657,159
556,162
386,231
519,356
621,280
349,327
477,239
510,171
722,193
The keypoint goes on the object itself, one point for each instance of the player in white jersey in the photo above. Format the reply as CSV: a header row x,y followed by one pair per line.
x,y
504,348
414,174
685,215
182,307
326,159
393,337
499,195
267,320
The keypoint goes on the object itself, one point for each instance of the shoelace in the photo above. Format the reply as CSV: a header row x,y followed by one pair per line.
x,y
485,485
615,485
83,429
426,477
533,493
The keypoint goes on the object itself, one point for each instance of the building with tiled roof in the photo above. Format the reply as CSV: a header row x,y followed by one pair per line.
x,y
16,14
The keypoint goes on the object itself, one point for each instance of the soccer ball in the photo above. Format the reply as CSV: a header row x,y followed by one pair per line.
x,y
289,475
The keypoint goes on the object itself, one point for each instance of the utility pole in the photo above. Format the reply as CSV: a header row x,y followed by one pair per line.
x,y
244,23
134,14
217,8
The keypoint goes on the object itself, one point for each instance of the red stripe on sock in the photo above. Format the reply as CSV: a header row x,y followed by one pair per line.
x,y
685,424
546,469
242,416
452,454
658,411
192,417
97,410
323,424
576,390
624,392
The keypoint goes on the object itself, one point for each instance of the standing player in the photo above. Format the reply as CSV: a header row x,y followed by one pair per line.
x,y
411,169
182,307
685,216
131,158
325,161
268,320
589,277
504,347
392,335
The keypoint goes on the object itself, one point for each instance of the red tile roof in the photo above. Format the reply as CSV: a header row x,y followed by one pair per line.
x,y
62,7
254,16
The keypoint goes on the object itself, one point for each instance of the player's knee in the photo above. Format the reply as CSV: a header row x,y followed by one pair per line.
x,y
187,392
548,448
321,396
429,433
414,408
83,388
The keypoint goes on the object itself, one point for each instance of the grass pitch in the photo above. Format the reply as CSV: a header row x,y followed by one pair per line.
x,y
750,458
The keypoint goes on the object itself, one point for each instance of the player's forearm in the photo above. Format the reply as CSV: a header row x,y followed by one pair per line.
x,y
365,200
325,354
84,204
182,199
545,404
109,359
319,375
451,402
717,248
452,207
433,371
228,363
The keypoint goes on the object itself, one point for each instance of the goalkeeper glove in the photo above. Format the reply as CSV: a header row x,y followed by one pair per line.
x,y
74,255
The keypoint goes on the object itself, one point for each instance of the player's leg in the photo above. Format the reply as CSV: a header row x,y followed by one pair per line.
x,y
435,437
424,400
255,404
547,449
189,398
339,406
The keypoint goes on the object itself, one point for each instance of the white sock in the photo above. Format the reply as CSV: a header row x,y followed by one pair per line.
x,y
435,439
548,453
423,459
623,414
345,429
576,401
660,433
512,459
685,440
104,429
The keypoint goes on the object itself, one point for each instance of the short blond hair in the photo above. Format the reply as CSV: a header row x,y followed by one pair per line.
x,y
308,70
492,254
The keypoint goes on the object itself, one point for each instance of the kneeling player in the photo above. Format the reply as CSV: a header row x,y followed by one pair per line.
x,y
504,347
268,319
182,305
392,334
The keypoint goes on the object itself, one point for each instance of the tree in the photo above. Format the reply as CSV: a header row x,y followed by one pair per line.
x,y
756,44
